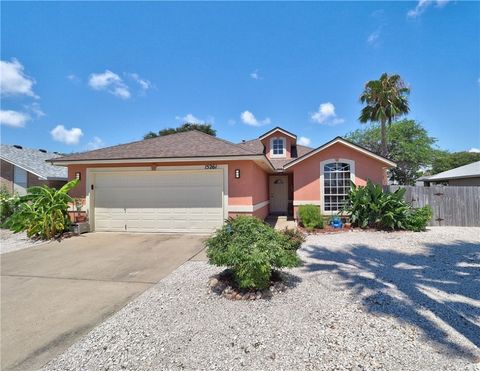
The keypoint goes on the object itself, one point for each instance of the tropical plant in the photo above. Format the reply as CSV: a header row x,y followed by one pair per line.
x,y
370,206
385,100
8,203
409,146
252,249
205,128
310,217
42,213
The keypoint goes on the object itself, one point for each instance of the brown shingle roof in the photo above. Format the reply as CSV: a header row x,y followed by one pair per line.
x,y
257,146
186,144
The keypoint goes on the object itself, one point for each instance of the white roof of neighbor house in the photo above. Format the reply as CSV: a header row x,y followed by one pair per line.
x,y
466,171
33,161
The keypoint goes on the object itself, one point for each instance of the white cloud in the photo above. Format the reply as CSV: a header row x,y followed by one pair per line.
x,y
474,150
13,80
144,83
72,136
304,141
326,115
35,109
250,119
111,82
191,119
255,75
74,78
423,5
374,37
95,143
13,118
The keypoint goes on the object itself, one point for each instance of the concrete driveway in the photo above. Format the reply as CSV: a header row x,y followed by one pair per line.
x,y
53,294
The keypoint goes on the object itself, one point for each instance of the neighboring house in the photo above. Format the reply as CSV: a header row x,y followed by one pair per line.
x,y
21,168
191,182
467,175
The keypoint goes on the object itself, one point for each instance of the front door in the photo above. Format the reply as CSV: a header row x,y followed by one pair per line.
x,y
279,194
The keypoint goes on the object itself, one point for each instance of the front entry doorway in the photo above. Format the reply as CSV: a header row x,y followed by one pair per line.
x,y
279,194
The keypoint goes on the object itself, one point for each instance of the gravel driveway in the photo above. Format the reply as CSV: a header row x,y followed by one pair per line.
x,y
365,300
10,241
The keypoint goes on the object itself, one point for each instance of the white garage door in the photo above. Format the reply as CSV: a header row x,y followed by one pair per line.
x,y
159,201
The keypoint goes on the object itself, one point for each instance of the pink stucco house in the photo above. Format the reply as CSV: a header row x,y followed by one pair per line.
x,y
191,182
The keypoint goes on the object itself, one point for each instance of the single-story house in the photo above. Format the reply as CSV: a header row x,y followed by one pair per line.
x,y
192,182
22,167
467,175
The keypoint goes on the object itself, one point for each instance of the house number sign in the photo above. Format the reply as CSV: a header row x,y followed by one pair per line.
x,y
210,167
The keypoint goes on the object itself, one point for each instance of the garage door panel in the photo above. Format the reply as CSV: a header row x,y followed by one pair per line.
x,y
179,201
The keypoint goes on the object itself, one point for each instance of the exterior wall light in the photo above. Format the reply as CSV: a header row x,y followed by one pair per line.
x,y
237,173
78,175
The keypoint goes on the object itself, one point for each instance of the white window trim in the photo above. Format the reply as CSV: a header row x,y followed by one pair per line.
x,y
284,141
322,188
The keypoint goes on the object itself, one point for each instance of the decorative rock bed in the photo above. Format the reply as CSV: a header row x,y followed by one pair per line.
x,y
223,284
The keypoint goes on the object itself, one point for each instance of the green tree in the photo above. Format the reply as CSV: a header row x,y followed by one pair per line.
x,y
444,160
409,146
206,128
385,100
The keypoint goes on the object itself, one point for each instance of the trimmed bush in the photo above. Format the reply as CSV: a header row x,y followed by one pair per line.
x,y
252,249
310,217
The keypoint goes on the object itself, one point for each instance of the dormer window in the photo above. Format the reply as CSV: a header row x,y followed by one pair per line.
x,y
278,147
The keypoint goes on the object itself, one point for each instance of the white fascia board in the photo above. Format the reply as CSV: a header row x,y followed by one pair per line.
x,y
339,140
274,131
160,160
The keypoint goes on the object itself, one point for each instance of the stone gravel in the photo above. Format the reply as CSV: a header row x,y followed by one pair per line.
x,y
363,301
10,241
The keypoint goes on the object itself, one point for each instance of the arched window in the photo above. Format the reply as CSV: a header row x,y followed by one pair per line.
x,y
336,183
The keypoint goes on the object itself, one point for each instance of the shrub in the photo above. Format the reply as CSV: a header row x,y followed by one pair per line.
x,y
370,206
295,237
42,213
418,218
8,203
310,216
252,249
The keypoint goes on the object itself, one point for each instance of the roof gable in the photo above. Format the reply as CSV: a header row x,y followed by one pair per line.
x,y
346,143
34,161
279,129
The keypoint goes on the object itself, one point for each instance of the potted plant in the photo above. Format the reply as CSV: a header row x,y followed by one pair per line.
x,y
78,205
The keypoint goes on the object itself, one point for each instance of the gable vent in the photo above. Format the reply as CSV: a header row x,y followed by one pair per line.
x,y
17,146
43,150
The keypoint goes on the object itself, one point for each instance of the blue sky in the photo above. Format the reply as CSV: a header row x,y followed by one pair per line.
x,y
77,76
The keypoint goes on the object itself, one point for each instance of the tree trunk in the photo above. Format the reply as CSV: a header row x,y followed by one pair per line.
x,y
384,148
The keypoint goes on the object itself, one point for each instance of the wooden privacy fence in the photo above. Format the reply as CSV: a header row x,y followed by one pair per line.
x,y
454,206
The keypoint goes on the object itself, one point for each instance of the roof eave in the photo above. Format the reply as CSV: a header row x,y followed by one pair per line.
x,y
263,136
345,142
67,162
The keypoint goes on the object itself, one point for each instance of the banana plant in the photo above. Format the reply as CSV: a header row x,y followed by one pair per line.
x,y
43,212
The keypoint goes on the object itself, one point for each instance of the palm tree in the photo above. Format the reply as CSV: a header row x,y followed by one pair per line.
x,y
386,100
